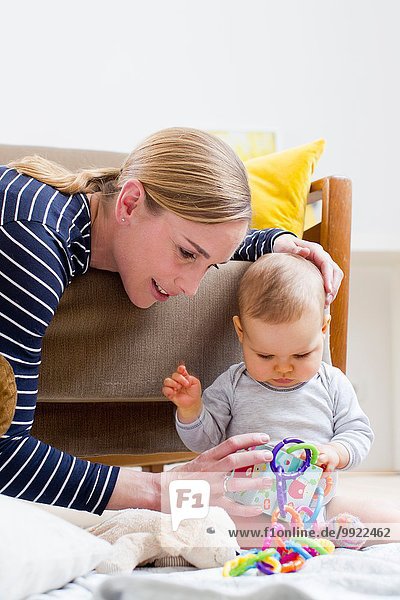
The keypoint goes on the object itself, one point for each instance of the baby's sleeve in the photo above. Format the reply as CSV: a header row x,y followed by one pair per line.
x,y
351,425
209,429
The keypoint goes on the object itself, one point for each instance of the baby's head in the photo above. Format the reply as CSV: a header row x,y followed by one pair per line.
x,y
281,322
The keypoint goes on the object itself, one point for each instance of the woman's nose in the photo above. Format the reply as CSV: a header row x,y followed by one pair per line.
x,y
189,284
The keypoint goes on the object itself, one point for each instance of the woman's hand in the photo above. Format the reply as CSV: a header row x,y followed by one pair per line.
x,y
137,489
216,464
184,391
331,272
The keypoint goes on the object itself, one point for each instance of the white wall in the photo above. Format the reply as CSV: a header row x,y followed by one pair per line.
x,y
373,351
102,74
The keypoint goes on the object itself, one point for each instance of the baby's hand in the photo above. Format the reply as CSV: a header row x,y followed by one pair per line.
x,y
184,391
328,457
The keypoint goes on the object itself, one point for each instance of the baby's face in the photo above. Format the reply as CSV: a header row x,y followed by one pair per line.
x,y
286,354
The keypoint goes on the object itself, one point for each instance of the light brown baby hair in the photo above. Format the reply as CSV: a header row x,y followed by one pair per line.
x,y
278,288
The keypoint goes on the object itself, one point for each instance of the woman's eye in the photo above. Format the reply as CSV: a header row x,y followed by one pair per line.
x,y
186,254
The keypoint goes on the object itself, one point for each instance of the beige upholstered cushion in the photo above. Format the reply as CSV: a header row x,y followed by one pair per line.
x,y
68,157
104,361
100,347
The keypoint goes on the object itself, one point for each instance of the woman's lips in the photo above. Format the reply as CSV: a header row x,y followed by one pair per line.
x,y
159,296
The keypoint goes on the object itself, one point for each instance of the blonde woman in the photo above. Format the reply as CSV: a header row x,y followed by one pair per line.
x,y
179,205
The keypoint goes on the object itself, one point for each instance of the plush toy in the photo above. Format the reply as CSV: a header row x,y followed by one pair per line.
x,y
8,395
141,536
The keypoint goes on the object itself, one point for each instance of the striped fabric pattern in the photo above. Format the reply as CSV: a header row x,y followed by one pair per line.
x,y
44,244
256,243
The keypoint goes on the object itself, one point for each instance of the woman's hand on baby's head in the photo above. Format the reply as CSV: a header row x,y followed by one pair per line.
x,y
331,272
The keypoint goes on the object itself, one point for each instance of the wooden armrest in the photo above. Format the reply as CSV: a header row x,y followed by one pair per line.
x,y
334,235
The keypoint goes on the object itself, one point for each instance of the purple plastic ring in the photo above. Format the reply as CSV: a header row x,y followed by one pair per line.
x,y
278,469
264,568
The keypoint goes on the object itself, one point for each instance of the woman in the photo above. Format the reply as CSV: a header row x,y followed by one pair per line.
x,y
179,205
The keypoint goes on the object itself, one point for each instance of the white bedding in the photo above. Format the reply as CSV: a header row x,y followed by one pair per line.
x,y
344,575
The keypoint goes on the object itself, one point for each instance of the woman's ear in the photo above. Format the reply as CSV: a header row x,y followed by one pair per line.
x,y
130,197
238,328
327,320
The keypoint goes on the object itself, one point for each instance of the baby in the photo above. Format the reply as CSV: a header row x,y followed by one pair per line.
x,y
283,387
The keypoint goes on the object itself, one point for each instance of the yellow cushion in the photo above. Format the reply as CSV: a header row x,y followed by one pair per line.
x,y
280,183
248,144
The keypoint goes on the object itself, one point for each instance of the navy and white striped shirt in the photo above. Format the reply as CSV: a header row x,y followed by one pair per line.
x,y
44,244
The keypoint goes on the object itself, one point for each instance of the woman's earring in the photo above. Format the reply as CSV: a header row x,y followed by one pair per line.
x,y
123,219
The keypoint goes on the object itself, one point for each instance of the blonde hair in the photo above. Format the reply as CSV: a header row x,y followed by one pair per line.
x,y
278,288
189,172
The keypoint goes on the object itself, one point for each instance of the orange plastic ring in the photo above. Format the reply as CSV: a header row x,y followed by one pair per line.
x,y
293,565
328,484
296,518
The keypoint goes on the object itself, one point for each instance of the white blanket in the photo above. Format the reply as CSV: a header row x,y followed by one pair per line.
x,y
344,575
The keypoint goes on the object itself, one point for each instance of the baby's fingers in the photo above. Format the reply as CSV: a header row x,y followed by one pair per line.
x,y
182,370
170,387
171,383
323,462
168,392
180,379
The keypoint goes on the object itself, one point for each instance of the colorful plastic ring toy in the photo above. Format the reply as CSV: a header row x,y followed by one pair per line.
x,y
293,565
328,484
298,549
305,446
316,544
266,569
276,469
271,563
319,493
305,510
292,512
268,540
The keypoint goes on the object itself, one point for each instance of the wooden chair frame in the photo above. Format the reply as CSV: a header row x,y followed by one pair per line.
x,y
334,235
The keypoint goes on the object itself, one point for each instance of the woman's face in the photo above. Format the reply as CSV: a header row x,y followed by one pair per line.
x,y
163,255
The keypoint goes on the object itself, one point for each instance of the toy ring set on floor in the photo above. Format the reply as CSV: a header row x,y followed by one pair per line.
x,y
304,515
288,558
291,554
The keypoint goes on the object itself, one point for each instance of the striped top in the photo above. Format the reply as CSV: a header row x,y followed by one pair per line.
x,y
44,244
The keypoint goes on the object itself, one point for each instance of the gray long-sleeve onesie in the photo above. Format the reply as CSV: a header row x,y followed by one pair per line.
x,y
321,410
